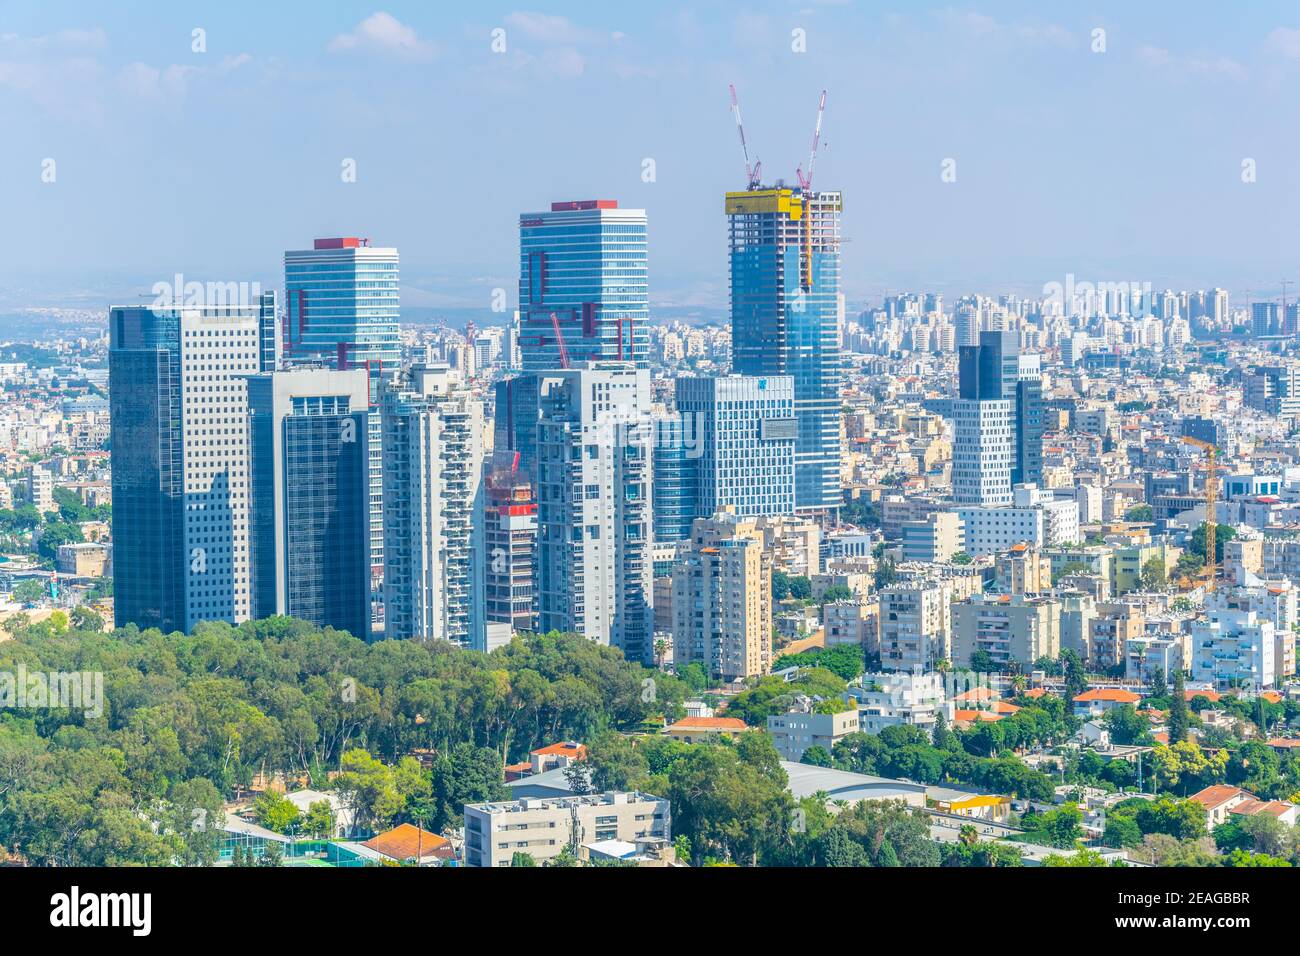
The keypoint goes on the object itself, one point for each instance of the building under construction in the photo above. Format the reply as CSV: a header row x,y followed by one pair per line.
x,y
786,309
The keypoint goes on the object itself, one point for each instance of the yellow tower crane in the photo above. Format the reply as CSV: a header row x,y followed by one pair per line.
x,y
1211,495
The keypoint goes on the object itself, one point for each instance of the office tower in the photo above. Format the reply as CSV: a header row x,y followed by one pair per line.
x,y
582,285
310,504
510,538
1265,318
785,284
341,300
984,420
722,598
342,309
178,413
1030,425
433,509
593,505
747,432
676,462
966,325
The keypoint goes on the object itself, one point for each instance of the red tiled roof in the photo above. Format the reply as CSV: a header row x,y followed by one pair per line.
x,y
707,723
1109,693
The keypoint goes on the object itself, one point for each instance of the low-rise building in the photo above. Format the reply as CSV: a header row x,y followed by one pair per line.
x,y
795,732
545,828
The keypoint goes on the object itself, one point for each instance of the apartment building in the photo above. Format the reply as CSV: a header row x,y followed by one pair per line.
x,y
544,828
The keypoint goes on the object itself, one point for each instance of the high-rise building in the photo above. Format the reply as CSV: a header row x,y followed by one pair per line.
x,y
722,598
511,541
341,300
178,412
434,514
594,486
342,309
583,272
984,420
747,432
785,286
676,476
310,508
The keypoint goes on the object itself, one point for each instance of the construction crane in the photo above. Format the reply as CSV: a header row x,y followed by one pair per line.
x,y
559,340
754,174
1211,494
805,182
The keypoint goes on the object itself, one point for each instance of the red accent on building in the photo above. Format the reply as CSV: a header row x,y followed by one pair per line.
x,y
577,204
344,242
588,319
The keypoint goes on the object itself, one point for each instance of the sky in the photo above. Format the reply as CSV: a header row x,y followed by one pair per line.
x,y
1161,150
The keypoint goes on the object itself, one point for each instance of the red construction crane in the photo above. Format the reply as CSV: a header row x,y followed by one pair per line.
x,y
753,175
559,339
805,182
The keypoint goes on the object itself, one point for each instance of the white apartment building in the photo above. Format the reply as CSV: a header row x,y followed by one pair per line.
x,y
434,514
893,698
914,626
795,732
1234,645
1035,518
594,483
544,827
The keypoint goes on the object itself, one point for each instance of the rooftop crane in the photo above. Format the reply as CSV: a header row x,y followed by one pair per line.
x,y
754,174
559,339
805,182
1211,494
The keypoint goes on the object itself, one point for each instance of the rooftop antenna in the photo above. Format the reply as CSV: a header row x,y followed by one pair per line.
x,y
754,174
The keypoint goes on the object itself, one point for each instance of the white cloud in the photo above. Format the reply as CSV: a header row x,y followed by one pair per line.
x,y
382,32
1158,58
1285,41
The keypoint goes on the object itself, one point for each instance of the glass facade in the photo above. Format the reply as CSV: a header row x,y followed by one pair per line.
x,y
676,481
583,268
326,521
148,475
785,294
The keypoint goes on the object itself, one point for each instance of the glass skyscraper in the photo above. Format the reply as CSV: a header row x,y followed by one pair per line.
x,y
785,289
178,412
309,447
582,267
342,309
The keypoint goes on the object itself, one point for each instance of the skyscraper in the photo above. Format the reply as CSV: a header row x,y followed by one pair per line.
x,y
582,268
310,509
594,491
178,410
746,432
984,420
342,309
434,510
785,286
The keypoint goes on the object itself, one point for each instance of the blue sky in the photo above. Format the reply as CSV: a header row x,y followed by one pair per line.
x,y
1120,166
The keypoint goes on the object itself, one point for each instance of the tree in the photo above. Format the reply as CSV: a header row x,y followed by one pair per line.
x,y
816,756
520,858
1121,831
272,855
1059,827
1153,576
319,821
1158,684
1177,722
1142,513
275,812
961,557
981,661
30,591
1127,726
466,774
886,574
836,592
1076,679
86,619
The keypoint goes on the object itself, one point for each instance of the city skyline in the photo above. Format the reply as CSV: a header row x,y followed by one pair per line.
x,y
1051,176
